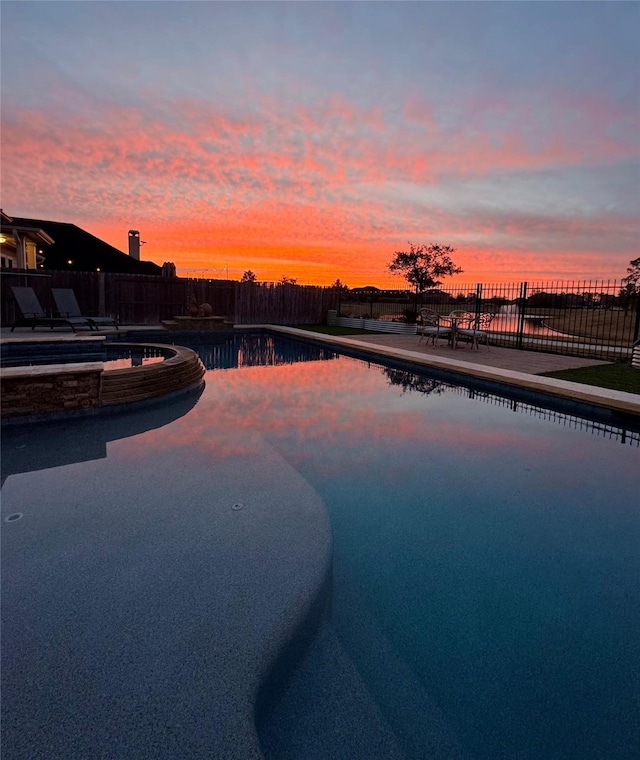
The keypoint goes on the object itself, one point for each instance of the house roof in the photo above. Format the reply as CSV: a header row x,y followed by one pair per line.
x,y
87,252
9,225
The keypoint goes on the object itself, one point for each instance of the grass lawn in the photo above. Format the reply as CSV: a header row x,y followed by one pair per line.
x,y
619,377
601,325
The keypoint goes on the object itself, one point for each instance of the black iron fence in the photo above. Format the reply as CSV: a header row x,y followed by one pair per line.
x,y
596,318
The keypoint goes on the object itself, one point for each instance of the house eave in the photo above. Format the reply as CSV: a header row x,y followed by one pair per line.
x,y
31,233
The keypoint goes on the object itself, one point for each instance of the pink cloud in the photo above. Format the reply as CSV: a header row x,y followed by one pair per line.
x,y
287,183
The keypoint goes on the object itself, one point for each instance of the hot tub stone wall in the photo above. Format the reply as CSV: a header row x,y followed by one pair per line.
x,y
27,392
49,391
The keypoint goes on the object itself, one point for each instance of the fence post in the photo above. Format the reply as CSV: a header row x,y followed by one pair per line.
x,y
478,299
636,327
521,308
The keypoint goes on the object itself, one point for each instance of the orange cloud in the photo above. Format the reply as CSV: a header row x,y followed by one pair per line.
x,y
308,191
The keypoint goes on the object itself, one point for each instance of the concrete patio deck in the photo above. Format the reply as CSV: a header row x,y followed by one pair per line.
x,y
532,362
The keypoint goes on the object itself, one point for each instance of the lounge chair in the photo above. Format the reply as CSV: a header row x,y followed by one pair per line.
x,y
431,326
33,315
67,306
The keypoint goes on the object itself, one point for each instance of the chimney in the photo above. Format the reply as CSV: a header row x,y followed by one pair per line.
x,y
134,244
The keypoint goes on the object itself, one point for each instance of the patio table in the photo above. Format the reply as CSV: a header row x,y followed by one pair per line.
x,y
453,322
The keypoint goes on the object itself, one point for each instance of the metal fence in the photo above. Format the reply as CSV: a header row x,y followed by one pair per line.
x,y
596,318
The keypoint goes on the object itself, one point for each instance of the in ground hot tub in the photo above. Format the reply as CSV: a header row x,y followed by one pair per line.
x,y
50,378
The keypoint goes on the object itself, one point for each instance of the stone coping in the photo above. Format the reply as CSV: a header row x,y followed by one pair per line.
x,y
39,337
197,323
44,370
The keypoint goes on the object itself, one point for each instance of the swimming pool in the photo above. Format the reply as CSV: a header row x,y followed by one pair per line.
x,y
484,558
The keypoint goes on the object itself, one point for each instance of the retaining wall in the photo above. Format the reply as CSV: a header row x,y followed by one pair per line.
x,y
376,325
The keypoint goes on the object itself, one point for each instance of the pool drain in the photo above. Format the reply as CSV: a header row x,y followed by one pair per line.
x,y
237,506
13,517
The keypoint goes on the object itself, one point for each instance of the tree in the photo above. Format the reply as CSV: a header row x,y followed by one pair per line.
x,y
632,280
287,280
423,265
248,276
631,286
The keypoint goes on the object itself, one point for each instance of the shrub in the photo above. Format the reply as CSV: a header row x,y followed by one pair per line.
x,y
409,316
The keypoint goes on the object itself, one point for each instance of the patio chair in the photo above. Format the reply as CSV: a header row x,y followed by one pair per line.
x,y
33,315
67,306
431,326
476,328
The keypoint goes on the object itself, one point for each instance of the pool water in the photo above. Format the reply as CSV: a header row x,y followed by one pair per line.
x,y
485,560
132,361
112,356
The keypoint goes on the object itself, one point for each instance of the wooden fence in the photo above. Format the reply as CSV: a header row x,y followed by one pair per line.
x,y
283,303
148,300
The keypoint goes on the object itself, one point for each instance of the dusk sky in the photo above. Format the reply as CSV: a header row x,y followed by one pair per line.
x,y
315,139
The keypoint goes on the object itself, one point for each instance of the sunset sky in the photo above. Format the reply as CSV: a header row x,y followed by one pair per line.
x,y
315,139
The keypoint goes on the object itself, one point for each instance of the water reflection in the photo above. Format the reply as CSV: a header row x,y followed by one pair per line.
x,y
112,355
508,320
290,393
531,325
410,381
259,351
